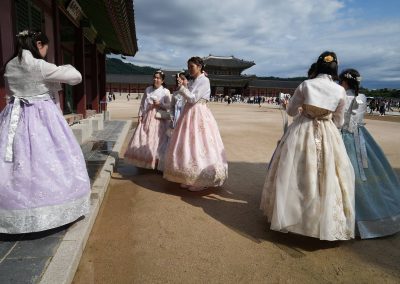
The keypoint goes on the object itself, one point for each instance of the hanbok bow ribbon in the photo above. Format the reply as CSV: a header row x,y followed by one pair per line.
x,y
14,120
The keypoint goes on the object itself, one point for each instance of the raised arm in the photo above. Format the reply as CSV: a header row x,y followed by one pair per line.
x,y
200,90
62,74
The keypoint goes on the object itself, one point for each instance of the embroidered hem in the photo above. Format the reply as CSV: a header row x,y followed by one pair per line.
x,y
197,180
43,218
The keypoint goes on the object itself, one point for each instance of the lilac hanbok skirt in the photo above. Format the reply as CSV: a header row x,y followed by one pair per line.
x,y
196,155
46,185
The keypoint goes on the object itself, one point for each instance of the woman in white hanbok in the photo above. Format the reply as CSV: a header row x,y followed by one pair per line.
x,y
309,188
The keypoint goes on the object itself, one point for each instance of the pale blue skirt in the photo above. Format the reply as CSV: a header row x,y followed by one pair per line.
x,y
377,188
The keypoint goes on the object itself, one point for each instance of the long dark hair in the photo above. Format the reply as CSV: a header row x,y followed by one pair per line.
x,y
198,61
352,78
312,71
327,63
27,40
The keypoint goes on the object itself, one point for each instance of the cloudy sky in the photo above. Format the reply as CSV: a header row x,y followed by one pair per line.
x,y
282,37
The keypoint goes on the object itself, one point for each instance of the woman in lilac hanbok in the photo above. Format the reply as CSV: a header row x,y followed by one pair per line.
x,y
44,182
195,157
377,187
148,144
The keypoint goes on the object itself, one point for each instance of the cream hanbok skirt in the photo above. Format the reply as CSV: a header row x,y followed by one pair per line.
x,y
309,188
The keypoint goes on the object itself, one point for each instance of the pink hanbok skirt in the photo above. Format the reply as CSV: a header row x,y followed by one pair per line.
x,y
148,143
195,155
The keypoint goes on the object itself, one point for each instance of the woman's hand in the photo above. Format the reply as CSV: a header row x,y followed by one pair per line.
x,y
156,103
179,81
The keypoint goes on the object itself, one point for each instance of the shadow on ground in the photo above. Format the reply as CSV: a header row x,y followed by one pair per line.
x,y
236,205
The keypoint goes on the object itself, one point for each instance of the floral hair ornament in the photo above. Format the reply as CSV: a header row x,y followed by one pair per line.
x,y
23,33
329,59
159,71
349,76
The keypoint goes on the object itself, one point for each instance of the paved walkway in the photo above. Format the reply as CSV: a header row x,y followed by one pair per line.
x,y
25,258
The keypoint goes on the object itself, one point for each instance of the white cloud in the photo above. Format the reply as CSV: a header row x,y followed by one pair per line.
x,y
282,37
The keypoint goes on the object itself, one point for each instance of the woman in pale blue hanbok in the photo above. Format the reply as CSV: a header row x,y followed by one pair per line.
x,y
377,187
177,102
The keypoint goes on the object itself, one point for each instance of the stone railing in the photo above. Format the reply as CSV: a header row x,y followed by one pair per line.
x,y
84,128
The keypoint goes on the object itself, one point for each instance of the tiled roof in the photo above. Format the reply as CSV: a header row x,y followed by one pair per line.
x,y
227,61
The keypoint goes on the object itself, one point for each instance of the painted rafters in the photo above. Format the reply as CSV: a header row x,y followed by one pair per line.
x,y
121,14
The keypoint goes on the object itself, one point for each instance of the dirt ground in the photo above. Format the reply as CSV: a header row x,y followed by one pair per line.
x,y
151,231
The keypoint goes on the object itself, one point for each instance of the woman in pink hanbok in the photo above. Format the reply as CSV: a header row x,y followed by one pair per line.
x,y
195,157
148,144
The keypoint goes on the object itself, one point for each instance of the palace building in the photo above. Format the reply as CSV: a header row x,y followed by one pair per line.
x,y
226,79
81,33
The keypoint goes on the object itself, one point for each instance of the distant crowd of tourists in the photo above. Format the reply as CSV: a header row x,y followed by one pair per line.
x,y
327,178
382,106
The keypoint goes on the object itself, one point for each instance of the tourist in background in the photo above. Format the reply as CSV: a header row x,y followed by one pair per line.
x,y
148,143
372,106
44,182
382,107
377,187
196,156
309,188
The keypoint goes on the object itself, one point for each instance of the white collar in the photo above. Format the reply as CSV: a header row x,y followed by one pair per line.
x,y
325,76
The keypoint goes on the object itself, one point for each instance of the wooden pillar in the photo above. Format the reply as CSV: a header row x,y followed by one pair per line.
x,y
95,78
102,81
57,44
80,89
226,91
7,41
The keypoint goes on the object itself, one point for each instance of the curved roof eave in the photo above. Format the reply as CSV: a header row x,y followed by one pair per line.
x,y
114,22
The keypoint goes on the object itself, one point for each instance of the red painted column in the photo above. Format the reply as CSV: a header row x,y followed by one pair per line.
x,y
7,39
80,89
102,80
57,43
95,78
